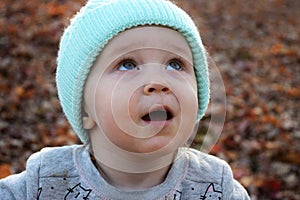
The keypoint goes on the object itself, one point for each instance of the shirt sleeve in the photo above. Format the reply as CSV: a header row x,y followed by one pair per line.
x,y
239,192
24,185
232,189
13,187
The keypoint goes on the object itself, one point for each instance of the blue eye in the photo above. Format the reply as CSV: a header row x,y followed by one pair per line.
x,y
127,65
174,65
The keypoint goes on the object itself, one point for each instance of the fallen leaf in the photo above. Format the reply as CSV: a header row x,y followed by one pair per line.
x,y
4,170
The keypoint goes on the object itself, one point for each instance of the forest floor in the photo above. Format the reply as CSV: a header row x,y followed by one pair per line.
x,y
254,44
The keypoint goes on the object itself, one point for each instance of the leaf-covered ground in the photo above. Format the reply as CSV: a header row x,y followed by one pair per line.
x,y
255,44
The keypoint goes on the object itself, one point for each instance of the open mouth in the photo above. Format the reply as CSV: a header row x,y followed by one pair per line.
x,y
158,116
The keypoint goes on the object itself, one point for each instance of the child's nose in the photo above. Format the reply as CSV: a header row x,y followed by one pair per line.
x,y
156,88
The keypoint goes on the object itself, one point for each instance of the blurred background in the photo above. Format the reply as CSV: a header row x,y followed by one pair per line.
x,y
255,44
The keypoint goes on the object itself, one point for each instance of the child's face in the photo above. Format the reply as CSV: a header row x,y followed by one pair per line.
x,y
142,93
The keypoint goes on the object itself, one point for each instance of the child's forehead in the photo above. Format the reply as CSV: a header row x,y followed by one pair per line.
x,y
148,37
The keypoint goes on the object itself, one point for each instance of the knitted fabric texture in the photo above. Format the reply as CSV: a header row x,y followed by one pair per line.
x,y
98,22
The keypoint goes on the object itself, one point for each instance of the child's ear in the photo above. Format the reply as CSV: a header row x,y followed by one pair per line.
x,y
87,122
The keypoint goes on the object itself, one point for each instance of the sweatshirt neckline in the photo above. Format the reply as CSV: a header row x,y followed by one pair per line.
x,y
92,178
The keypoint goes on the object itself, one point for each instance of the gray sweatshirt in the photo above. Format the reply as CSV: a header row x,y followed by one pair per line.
x,y
68,173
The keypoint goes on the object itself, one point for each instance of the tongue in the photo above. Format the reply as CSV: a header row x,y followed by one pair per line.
x,y
158,115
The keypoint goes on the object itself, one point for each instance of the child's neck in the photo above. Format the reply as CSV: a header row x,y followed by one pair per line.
x,y
127,170
133,181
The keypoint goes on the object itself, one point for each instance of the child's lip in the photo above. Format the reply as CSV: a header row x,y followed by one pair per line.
x,y
159,123
158,115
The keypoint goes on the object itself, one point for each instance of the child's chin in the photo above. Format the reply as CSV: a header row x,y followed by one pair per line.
x,y
157,146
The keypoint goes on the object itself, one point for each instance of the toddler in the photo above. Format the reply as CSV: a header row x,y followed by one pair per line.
x,y
133,82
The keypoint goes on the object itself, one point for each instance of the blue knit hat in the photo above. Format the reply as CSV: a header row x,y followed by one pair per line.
x,y
98,22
